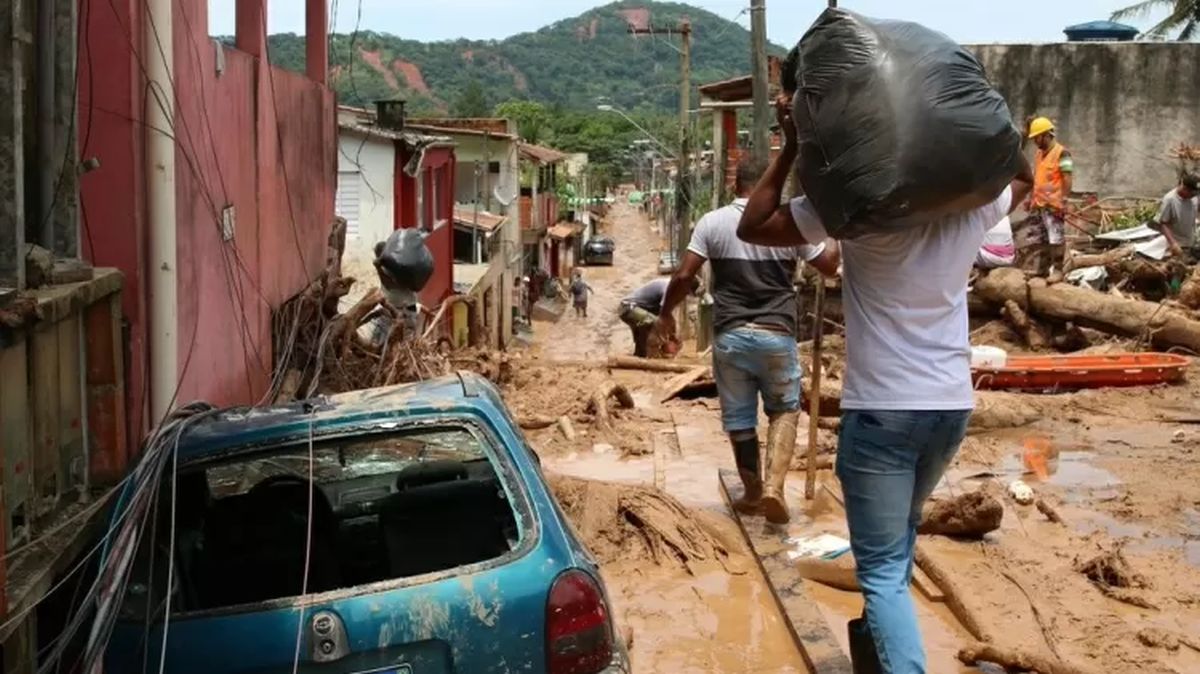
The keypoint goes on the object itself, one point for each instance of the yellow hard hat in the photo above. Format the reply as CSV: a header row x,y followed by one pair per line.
x,y
1039,126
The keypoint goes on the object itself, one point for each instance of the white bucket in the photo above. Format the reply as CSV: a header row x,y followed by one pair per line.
x,y
988,358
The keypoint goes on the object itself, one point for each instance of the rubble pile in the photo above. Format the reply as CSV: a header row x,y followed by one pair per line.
x,y
323,350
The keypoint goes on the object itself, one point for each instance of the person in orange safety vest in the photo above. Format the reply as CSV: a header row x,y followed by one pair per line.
x,y
1042,239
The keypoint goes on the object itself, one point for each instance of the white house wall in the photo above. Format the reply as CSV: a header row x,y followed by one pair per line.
x,y
375,163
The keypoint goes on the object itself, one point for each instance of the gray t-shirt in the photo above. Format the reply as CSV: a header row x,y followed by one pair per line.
x,y
649,296
1180,215
751,284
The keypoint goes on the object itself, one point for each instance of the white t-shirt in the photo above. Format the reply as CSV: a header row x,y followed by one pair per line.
x,y
904,295
998,248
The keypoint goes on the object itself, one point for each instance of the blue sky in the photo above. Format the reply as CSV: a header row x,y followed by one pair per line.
x,y
964,20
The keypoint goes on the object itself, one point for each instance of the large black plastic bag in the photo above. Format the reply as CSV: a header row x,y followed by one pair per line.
x,y
897,125
406,258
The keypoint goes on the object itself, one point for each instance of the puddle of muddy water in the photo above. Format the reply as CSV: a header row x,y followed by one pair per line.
x,y
940,631
1138,537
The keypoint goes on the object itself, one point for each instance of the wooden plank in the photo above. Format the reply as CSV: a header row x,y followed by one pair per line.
x,y
678,383
808,627
43,380
72,471
924,584
15,439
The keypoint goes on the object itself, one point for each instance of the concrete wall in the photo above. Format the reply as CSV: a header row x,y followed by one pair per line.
x,y
375,162
1119,107
470,149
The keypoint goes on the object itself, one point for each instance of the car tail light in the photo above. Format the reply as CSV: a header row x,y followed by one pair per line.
x,y
579,638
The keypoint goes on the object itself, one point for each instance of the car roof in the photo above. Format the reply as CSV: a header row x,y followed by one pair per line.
x,y
232,431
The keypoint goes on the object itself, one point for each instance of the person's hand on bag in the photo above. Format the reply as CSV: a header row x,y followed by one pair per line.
x,y
783,115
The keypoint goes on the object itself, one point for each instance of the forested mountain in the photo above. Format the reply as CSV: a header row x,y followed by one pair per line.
x,y
570,63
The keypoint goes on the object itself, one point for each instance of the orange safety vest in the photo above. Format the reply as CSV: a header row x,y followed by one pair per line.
x,y
1048,179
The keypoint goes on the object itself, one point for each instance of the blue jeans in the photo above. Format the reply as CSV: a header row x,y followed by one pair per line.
x,y
749,362
888,463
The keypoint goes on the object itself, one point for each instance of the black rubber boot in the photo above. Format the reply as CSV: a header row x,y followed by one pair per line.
x,y
863,657
745,455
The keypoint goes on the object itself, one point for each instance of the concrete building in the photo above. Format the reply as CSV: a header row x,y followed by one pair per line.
x,y
485,225
393,178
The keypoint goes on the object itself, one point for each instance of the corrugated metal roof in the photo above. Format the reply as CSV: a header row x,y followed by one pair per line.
x,y
561,231
451,131
467,217
540,153
407,137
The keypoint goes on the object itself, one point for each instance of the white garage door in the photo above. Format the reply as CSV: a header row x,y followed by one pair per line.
x,y
347,202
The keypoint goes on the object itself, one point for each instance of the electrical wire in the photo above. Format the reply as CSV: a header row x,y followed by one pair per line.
x,y
312,487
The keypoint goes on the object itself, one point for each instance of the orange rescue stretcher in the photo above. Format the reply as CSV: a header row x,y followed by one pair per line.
x,y
1082,371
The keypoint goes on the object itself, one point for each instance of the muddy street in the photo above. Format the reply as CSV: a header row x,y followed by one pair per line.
x,y
1120,477
602,334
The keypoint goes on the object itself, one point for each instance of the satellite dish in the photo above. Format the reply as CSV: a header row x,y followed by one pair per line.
x,y
504,199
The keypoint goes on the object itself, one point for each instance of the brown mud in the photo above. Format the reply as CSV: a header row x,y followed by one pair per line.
x,y
1121,474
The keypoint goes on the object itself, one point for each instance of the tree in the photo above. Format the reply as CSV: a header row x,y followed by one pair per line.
x,y
472,101
532,118
1184,17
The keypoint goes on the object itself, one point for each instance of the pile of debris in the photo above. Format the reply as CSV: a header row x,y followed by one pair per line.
x,y
323,350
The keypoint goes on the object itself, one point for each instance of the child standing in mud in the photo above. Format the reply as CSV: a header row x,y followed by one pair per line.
x,y
579,294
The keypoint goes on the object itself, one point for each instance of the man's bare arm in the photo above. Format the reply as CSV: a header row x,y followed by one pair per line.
x,y
681,283
764,221
1022,185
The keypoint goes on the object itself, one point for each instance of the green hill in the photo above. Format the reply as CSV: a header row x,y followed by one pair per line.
x,y
570,63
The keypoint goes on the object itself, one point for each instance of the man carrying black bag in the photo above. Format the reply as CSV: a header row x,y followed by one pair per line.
x,y
907,393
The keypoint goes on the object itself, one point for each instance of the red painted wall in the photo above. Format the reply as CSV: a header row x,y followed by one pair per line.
x,y
111,199
253,137
437,167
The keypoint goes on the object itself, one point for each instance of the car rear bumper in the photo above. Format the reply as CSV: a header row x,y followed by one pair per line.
x,y
620,661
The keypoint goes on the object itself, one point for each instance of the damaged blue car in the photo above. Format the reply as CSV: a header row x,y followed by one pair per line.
x,y
406,530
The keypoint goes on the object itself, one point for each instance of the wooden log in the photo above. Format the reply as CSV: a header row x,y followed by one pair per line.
x,y
648,364
1189,292
599,404
821,462
566,428
1166,326
954,595
536,422
1036,337
814,403
1080,260
1049,511
1015,659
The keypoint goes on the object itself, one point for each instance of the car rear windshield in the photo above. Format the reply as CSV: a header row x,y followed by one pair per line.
x,y
381,510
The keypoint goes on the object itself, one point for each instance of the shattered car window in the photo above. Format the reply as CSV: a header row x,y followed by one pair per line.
x,y
348,460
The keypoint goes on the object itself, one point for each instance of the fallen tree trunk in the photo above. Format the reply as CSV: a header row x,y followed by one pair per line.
x,y
535,422
1036,337
648,364
1167,327
1015,659
1081,260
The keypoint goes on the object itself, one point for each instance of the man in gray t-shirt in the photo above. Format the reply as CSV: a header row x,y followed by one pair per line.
x,y
1176,217
640,309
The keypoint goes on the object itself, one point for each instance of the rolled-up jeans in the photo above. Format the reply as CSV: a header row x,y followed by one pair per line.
x,y
889,463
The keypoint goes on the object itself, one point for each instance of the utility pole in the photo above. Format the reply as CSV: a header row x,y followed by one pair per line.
x,y
683,197
682,183
758,57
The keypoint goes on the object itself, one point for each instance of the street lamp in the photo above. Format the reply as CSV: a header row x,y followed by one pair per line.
x,y
604,107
